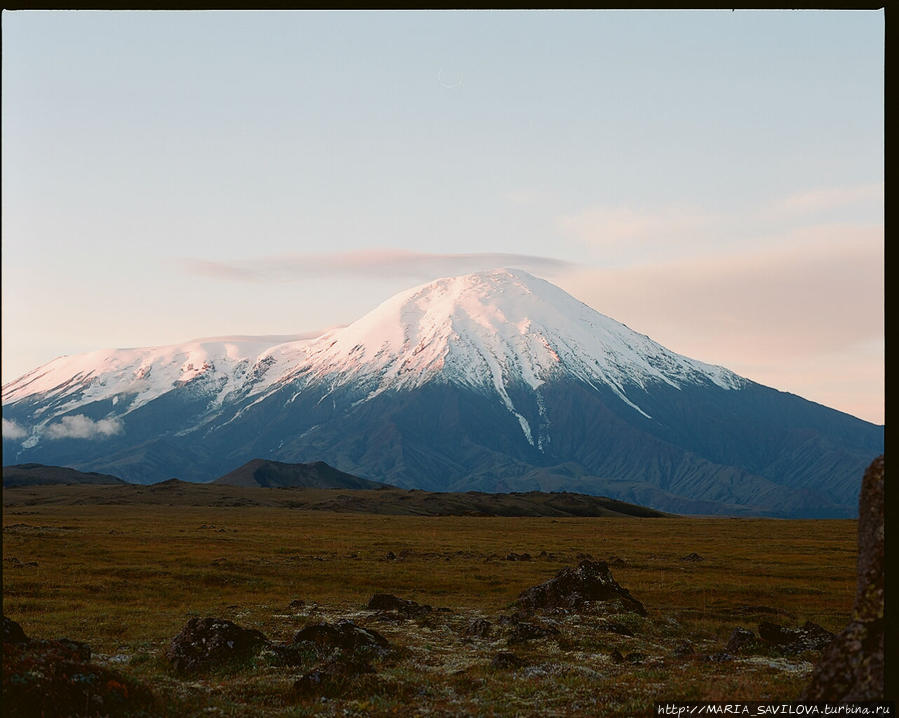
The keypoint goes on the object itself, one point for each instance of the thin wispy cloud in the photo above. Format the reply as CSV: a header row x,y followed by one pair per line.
x,y
610,226
366,264
810,298
829,198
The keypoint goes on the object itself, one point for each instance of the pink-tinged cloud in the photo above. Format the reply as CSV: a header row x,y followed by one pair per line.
x,y
782,309
825,198
367,263
612,226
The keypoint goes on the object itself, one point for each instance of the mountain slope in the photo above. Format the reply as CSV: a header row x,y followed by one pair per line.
x,y
494,381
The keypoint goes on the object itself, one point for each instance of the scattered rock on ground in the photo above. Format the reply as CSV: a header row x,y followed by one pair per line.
x,y
505,660
692,557
55,678
684,648
297,603
518,557
522,632
389,602
591,581
810,637
742,640
12,632
332,678
208,643
478,628
852,668
344,635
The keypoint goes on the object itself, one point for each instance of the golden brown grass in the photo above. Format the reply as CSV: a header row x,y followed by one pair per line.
x,y
126,578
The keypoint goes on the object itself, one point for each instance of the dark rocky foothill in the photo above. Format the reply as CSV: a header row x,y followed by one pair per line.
x,y
389,602
205,644
590,583
55,678
332,678
852,667
518,557
345,635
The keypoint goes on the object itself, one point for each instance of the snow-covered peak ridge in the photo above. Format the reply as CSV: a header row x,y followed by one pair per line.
x,y
146,372
496,328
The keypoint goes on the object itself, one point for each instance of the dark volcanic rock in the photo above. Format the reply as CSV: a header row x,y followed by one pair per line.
x,y
332,678
478,628
684,648
505,661
692,557
522,632
344,635
54,678
208,643
389,602
12,632
591,582
810,637
742,640
851,668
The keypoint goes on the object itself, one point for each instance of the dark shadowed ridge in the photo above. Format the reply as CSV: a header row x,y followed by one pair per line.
x,y
41,475
275,474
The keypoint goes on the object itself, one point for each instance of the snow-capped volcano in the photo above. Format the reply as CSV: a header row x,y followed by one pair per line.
x,y
491,329
495,380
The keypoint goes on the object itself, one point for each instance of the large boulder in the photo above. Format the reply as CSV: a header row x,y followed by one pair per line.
x,y
12,632
851,668
206,644
55,678
591,583
345,635
809,637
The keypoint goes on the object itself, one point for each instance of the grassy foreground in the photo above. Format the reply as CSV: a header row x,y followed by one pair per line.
x,y
125,579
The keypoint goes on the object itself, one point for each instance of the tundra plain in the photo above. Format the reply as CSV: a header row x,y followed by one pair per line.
x,y
125,578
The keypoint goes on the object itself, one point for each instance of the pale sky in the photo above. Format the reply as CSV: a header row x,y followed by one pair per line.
x,y
712,179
